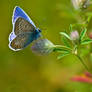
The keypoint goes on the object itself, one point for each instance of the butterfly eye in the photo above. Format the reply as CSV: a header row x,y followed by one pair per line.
x,y
39,30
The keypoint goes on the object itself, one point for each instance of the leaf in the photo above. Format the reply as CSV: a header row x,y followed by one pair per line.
x,y
66,42
87,41
89,18
63,55
70,27
61,50
66,35
83,34
89,14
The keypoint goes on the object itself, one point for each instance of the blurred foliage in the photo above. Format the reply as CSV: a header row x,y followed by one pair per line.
x,y
23,71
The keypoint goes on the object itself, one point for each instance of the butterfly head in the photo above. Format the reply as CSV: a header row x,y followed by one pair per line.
x,y
37,33
39,30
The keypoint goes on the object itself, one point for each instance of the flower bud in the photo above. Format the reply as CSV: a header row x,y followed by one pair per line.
x,y
90,35
74,35
84,78
42,47
80,4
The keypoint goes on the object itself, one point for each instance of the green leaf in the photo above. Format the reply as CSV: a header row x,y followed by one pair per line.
x,y
89,18
66,35
63,55
70,27
63,47
87,41
61,50
66,42
89,14
83,34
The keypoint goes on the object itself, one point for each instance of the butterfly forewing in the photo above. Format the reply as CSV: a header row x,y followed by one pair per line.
x,y
18,12
22,25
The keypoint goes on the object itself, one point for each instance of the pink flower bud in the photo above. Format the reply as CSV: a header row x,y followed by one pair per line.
x,y
74,35
90,35
88,74
85,78
82,79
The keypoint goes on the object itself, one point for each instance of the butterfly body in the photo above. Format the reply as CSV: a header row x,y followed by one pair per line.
x,y
24,30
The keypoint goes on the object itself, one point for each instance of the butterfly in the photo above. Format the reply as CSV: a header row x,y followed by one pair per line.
x,y
24,30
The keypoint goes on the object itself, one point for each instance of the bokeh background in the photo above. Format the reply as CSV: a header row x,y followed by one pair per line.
x,y
24,71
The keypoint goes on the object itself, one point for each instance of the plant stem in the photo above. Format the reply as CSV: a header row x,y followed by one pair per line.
x,y
82,62
61,46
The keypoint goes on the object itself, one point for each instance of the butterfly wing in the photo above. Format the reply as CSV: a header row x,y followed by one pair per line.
x,y
24,30
21,41
11,36
18,12
22,25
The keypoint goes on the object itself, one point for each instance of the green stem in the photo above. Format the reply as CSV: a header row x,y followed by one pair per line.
x,y
61,46
82,62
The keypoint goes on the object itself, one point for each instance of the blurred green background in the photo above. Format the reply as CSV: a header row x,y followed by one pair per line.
x,y
24,71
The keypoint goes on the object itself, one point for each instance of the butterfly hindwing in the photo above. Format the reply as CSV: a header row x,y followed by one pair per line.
x,y
11,36
21,41
18,12
22,25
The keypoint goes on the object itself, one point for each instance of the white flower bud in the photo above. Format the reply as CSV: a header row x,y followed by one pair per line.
x,y
80,4
42,47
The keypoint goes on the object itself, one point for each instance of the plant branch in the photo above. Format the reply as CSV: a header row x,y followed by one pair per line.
x,y
82,62
61,46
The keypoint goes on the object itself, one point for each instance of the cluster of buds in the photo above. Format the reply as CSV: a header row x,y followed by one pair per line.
x,y
42,47
80,4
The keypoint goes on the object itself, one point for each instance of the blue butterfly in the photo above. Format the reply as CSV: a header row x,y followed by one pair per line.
x,y
24,30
